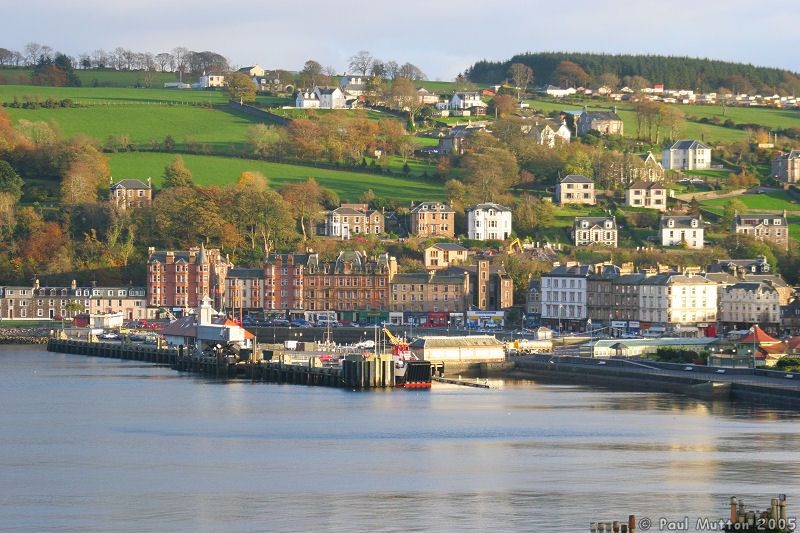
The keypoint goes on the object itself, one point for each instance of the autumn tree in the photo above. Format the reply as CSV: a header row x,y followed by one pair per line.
x,y
311,73
521,75
672,119
503,105
304,200
266,141
240,88
607,79
570,74
260,213
305,139
489,172
10,182
636,83
176,174
531,214
404,97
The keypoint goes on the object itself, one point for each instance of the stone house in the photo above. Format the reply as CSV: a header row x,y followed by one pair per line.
x,y
647,194
431,292
444,254
765,227
605,122
587,231
351,220
786,166
575,189
432,219
131,194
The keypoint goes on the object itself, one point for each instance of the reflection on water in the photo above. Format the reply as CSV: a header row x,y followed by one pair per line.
x,y
97,445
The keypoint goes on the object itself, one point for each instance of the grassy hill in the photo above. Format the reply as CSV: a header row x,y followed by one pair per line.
x,y
104,78
210,170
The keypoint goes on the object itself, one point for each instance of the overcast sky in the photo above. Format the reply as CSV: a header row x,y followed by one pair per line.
x,y
441,37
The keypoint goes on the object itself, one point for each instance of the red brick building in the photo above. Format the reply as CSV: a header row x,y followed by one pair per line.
x,y
178,280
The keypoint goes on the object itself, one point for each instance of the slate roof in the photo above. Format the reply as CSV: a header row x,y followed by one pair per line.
x,y
599,221
599,115
130,184
488,205
246,273
681,222
756,219
419,278
573,271
575,178
650,185
462,342
449,247
438,207
688,144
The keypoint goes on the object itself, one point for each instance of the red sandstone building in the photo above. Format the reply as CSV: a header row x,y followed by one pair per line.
x,y
177,280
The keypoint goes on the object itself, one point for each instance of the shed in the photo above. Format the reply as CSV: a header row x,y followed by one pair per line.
x,y
474,348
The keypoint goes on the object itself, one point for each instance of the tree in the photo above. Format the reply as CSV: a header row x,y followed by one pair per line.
x,y
377,69
311,73
503,105
694,207
10,182
673,119
730,210
266,141
570,74
637,83
360,62
404,97
607,79
32,52
176,174
304,200
6,56
367,197
489,172
240,88
521,75
411,72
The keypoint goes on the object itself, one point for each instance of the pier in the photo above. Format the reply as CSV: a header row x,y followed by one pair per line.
x,y
356,371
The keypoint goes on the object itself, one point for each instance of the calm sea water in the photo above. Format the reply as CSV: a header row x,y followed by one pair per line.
x,y
91,444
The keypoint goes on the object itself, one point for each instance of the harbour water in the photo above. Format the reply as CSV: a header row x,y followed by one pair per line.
x,y
90,444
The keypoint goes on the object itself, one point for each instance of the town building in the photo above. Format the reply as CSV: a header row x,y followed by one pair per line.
x,y
680,230
587,231
454,141
434,294
488,221
253,71
353,86
647,169
565,295
575,189
548,132
490,287
759,265
472,348
765,227
786,166
351,220
625,291
211,81
321,98
129,301
673,301
747,303
442,255
426,97
467,104
131,194
647,194
604,122
244,290
432,219
686,155
600,294
177,280
533,302
790,317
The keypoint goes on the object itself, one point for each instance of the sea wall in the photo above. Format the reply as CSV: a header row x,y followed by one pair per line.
x,y
23,335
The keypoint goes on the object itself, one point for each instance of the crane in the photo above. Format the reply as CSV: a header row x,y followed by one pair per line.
x,y
400,347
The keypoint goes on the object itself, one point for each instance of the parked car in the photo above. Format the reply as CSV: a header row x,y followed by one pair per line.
x,y
300,323
280,323
110,335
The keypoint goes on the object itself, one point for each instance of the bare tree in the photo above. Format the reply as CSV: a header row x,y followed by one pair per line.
x,y
6,56
521,75
18,59
100,58
163,60
46,52
392,69
411,72
85,61
360,62
32,51
180,55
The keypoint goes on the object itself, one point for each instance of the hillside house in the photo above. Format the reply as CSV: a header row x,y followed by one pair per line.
x,y
131,194
676,230
766,227
786,166
321,98
253,71
351,220
432,219
488,221
444,255
647,168
686,155
645,194
574,189
548,132
604,122
587,231
467,104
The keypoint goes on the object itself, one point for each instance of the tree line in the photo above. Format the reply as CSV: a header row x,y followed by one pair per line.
x,y
703,75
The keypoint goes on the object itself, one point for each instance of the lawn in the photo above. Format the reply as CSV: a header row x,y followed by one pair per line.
x,y
112,78
773,201
690,130
445,87
209,170
220,130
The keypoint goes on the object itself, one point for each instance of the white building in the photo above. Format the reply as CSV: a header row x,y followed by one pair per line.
x,y
672,299
564,296
468,101
558,92
675,230
747,303
587,231
488,221
549,132
686,155
321,98
207,81
646,194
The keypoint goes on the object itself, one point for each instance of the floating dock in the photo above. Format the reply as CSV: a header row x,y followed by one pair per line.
x,y
356,371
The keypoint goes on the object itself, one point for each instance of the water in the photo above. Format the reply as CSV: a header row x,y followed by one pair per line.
x,y
90,444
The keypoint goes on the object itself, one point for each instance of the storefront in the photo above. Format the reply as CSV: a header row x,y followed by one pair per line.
x,y
485,319
438,320
415,318
372,317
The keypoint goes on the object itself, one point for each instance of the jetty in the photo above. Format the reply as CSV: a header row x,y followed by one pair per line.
x,y
356,371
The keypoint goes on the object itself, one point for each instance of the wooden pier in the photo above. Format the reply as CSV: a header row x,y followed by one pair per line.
x,y
356,371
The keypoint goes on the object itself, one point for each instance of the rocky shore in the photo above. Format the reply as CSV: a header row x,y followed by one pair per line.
x,y
23,335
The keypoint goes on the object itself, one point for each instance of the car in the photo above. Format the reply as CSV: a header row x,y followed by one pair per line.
x,y
300,323
280,323
110,335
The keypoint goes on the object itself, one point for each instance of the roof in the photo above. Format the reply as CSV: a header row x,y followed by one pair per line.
x,y
463,342
488,205
669,278
432,206
756,219
751,286
679,222
600,115
646,185
449,247
438,278
727,265
794,154
599,221
757,335
569,271
630,279
575,178
662,341
187,327
326,90
130,184
689,144
246,273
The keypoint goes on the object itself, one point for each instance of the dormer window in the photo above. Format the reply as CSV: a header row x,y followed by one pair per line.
x,y
776,222
671,223
608,224
585,224
694,223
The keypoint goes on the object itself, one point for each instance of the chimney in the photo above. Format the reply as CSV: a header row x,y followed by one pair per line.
x,y
36,283
614,109
149,181
150,250
73,285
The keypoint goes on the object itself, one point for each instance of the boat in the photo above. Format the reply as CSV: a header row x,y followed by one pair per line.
x,y
409,371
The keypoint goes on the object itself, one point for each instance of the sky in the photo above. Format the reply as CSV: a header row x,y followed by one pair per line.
x,y
441,37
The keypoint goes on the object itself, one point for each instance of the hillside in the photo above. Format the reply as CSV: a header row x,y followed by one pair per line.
x,y
673,72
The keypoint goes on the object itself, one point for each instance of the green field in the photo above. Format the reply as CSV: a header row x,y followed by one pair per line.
x,y
690,130
112,78
210,170
220,130
773,201
95,95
